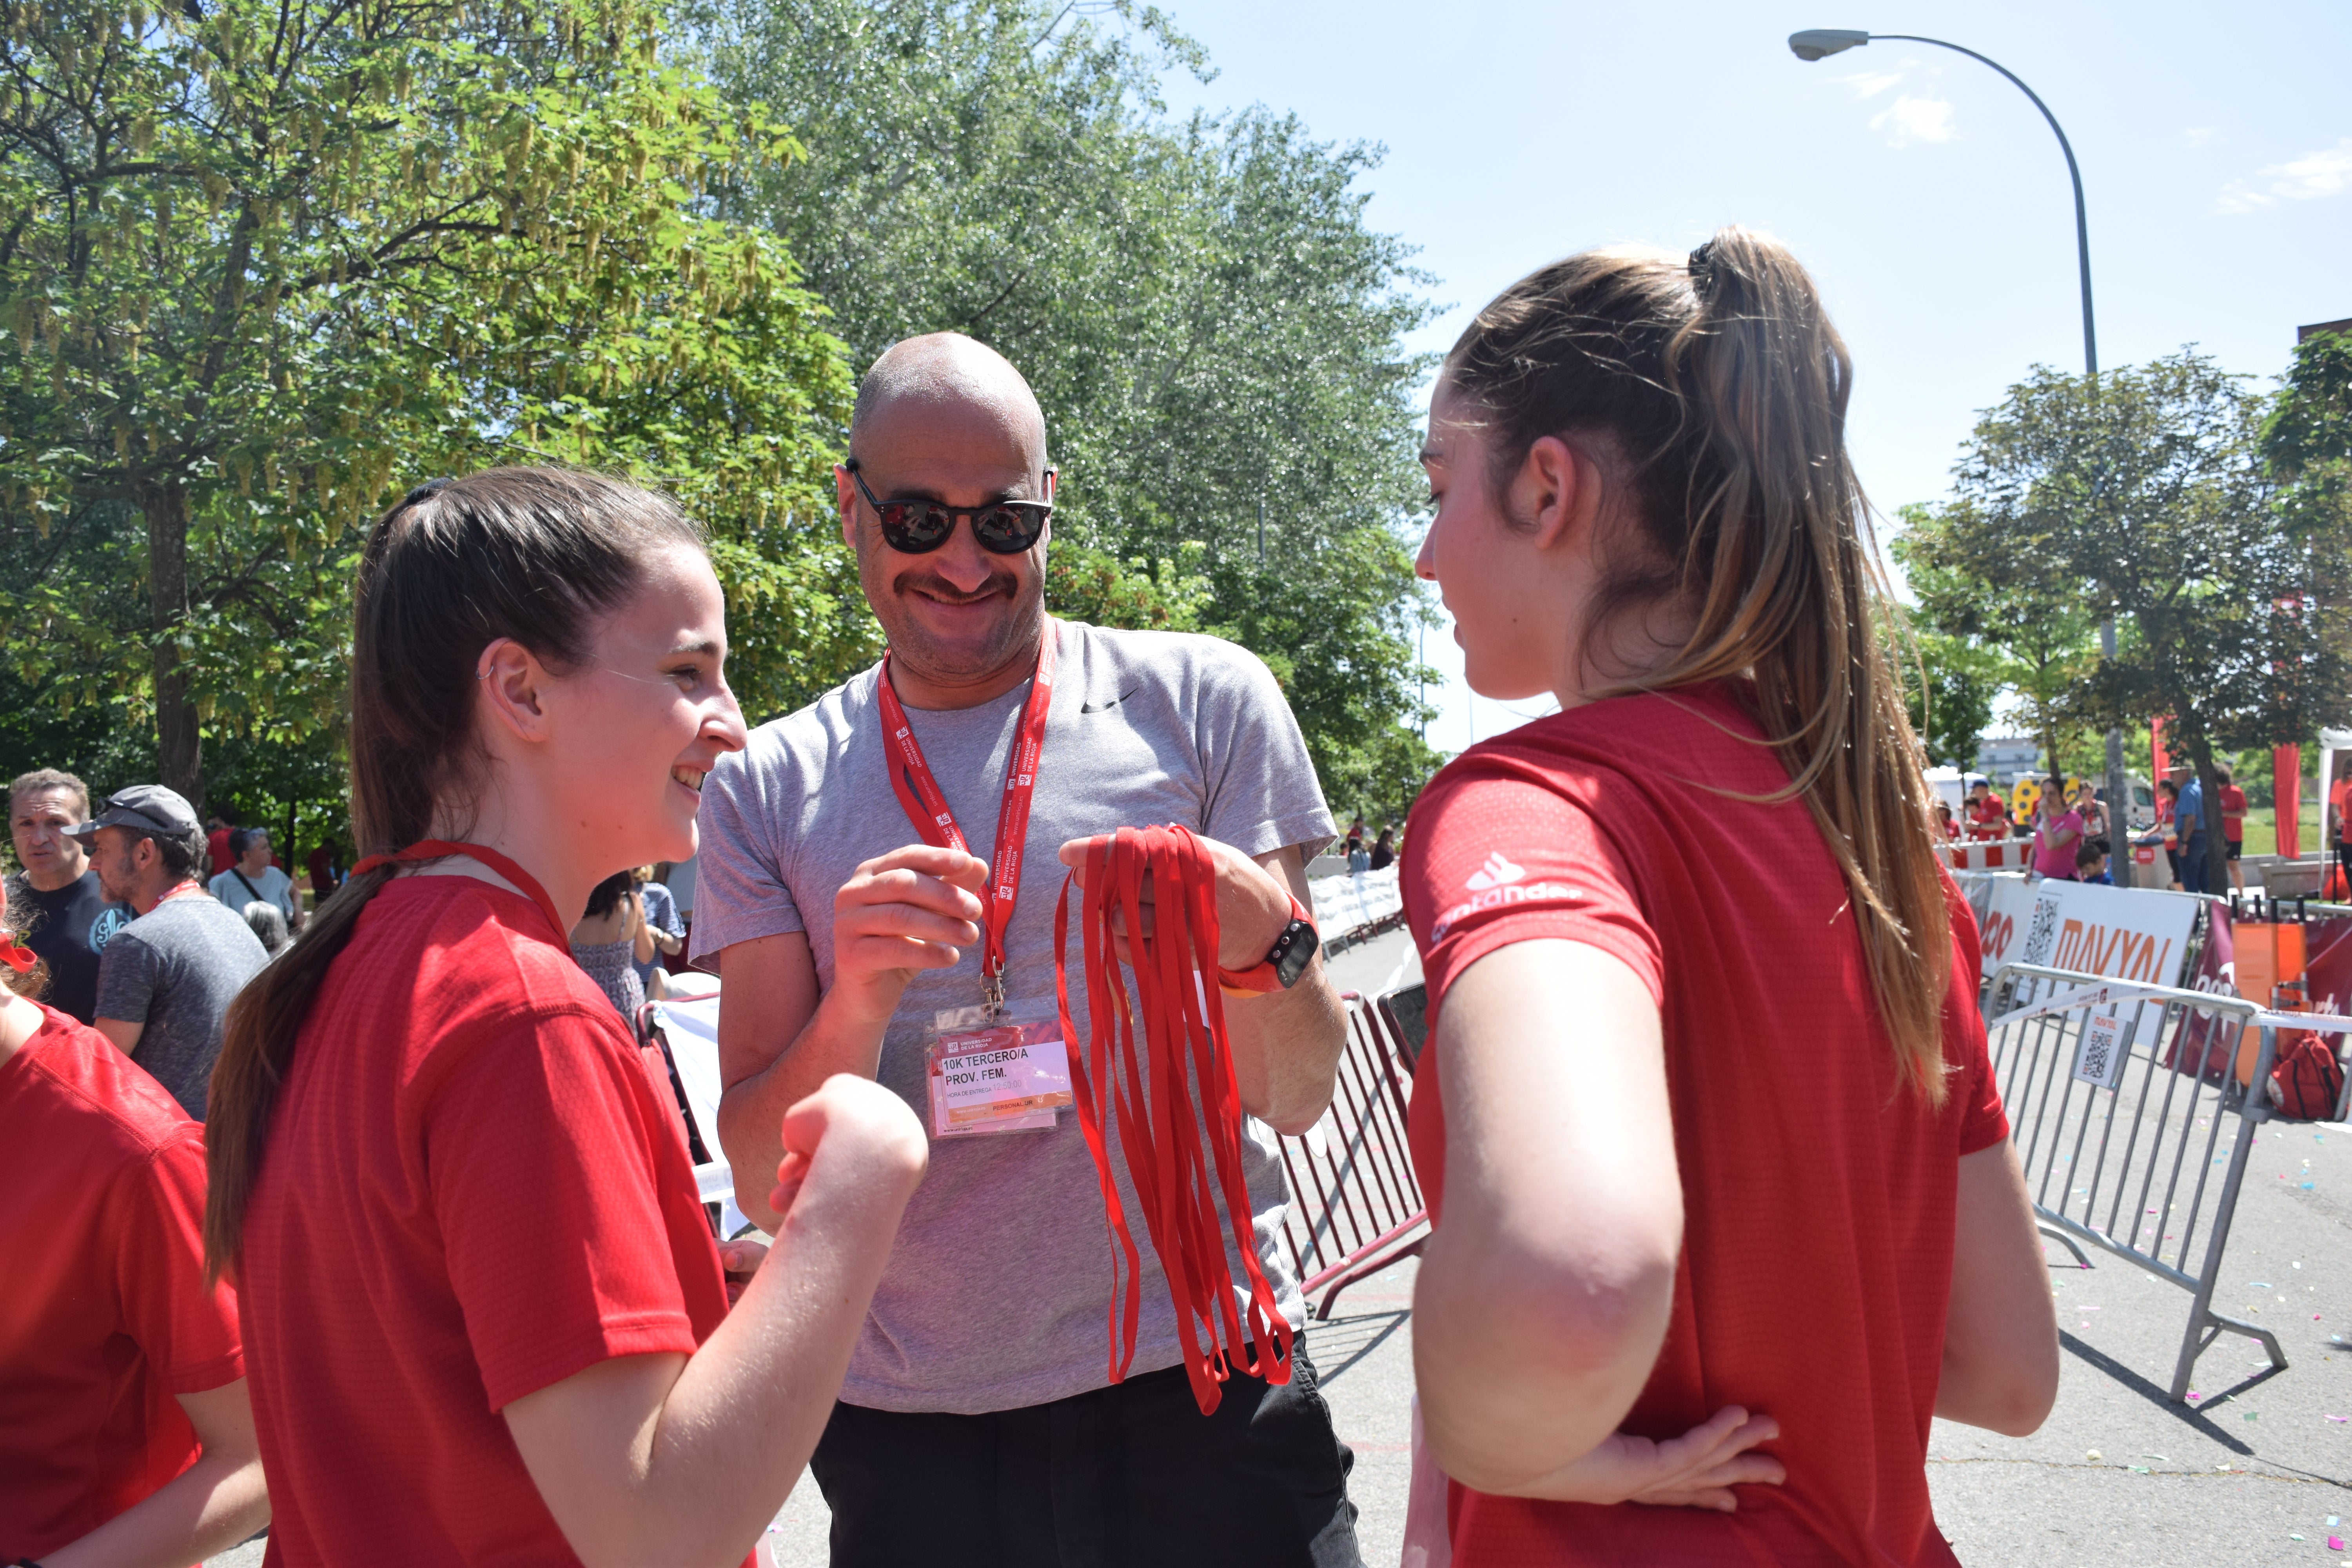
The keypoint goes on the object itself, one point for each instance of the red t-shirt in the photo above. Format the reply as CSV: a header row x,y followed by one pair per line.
x,y
217,844
2233,814
470,1191
105,1316
1988,817
1819,1201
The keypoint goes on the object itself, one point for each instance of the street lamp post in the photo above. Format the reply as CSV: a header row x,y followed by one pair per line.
x,y
1818,43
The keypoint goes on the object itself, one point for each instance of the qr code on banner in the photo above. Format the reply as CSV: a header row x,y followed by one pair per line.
x,y
2101,1058
2042,936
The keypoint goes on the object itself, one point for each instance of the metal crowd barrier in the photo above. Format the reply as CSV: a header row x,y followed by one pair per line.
x,y
2119,1096
1355,1206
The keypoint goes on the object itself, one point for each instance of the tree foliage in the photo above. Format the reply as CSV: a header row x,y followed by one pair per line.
x,y
266,265
2142,493
2024,635
1209,323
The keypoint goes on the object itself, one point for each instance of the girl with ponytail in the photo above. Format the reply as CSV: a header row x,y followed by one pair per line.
x,y
485,1319
1707,1118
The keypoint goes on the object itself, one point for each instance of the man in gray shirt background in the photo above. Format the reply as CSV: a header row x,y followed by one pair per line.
x,y
166,979
978,1423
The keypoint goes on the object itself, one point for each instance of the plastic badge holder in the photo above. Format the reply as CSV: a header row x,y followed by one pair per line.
x,y
1008,1076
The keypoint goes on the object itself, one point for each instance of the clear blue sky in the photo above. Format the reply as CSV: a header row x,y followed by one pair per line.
x,y
1925,191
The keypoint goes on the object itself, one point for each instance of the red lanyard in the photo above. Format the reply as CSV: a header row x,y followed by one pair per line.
x,y
927,807
442,849
1178,1182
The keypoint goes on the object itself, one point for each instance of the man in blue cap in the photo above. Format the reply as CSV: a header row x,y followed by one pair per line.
x,y
166,979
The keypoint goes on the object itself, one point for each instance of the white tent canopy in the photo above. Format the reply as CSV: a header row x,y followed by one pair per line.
x,y
2330,742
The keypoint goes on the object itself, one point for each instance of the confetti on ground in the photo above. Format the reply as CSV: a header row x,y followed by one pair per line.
x,y
2258,1285
2338,1418
2334,1543
2094,1457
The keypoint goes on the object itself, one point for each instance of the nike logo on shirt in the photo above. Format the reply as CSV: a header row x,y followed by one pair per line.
x,y
1103,707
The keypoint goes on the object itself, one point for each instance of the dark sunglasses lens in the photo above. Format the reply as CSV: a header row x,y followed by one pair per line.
x,y
913,528
1007,530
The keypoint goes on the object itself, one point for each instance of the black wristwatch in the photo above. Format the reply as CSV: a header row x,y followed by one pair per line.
x,y
1294,950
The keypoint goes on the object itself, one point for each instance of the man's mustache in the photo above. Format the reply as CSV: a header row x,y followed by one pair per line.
x,y
999,583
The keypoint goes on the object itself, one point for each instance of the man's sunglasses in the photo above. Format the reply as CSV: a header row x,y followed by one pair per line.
x,y
917,527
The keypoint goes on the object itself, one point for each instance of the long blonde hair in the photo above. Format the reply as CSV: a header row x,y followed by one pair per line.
x,y
1722,387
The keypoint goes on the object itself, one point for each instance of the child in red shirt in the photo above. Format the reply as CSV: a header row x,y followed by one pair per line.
x,y
1988,812
124,1427
1706,1121
486,1320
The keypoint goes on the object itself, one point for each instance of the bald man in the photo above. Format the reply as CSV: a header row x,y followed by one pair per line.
x,y
977,1424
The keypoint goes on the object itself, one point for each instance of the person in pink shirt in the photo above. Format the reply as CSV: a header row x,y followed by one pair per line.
x,y
2054,837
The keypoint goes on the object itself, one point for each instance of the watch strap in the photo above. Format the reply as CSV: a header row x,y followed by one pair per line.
x,y
1266,976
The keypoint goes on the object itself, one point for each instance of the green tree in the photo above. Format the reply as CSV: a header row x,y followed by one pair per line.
x,y
1950,685
2020,631
268,263
2141,493
1215,332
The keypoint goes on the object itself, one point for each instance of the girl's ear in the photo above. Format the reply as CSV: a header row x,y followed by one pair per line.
x,y
511,682
1557,489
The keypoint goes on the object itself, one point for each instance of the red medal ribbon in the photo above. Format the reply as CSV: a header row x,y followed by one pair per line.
x,y
1183,1162
927,807
443,848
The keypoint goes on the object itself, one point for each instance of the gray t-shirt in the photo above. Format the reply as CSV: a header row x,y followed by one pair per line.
x,y
996,1290
176,969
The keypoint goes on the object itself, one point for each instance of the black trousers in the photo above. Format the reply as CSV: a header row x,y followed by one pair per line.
x,y
1131,1476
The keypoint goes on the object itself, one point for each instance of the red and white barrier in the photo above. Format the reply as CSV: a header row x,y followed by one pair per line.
x,y
1998,855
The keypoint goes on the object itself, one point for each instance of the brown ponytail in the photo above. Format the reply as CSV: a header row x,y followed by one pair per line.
x,y
534,555
1719,387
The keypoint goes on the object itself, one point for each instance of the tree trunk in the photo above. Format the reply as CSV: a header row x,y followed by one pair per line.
x,y
179,744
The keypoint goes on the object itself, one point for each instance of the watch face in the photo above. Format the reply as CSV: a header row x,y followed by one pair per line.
x,y
1297,952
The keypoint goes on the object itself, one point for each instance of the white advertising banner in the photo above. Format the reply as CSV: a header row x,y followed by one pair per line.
x,y
2118,933
2121,934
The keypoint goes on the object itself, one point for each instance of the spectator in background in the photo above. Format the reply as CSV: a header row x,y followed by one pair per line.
x,y
2233,824
2190,821
612,939
2091,863
69,919
662,923
2168,798
1384,850
1988,814
1946,829
268,924
2339,804
167,979
252,879
220,855
2092,809
125,1432
2060,828
325,876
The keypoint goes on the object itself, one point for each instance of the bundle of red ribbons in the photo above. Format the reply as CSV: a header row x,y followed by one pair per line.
x,y
1175,1105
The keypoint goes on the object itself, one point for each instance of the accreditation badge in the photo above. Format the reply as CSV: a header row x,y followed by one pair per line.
x,y
1008,1075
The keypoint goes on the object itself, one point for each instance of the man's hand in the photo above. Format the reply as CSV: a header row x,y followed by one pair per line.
x,y
1697,1470
914,909
1253,904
